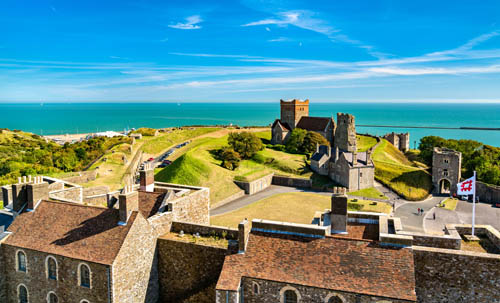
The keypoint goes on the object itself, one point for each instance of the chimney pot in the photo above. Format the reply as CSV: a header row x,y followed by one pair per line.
x,y
128,202
147,178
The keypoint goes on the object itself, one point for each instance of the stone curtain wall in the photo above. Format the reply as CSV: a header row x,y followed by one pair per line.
x,y
193,208
135,276
73,194
488,193
204,230
187,269
237,195
255,186
269,292
292,182
66,287
444,275
83,177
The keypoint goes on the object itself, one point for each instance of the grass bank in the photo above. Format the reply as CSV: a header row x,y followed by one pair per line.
x,y
291,207
371,192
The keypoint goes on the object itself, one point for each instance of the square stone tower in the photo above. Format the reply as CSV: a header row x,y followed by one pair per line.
x,y
293,110
446,170
345,134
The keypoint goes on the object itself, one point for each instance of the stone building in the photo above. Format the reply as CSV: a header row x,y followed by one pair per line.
x,y
401,141
60,251
295,114
347,167
446,170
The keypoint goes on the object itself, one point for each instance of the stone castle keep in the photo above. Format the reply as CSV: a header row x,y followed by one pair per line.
x,y
340,160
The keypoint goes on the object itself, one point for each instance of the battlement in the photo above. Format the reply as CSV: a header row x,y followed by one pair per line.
x,y
446,151
295,101
345,118
345,134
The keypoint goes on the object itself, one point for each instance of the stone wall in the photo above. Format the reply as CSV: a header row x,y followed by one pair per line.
x,y
487,192
292,182
198,265
56,186
83,177
204,230
345,133
272,291
65,287
481,230
445,275
134,273
6,194
72,194
233,197
361,177
255,186
96,195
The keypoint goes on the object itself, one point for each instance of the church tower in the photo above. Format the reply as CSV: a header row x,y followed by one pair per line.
x,y
293,110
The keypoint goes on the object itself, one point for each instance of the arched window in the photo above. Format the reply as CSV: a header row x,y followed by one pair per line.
x,y
335,299
84,301
84,275
52,298
255,288
51,268
22,294
21,261
290,296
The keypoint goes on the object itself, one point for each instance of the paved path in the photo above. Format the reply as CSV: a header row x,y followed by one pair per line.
x,y
408,213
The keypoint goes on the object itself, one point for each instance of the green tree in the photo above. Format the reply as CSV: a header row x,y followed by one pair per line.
x,y
294,144
246,144
230,159
311,140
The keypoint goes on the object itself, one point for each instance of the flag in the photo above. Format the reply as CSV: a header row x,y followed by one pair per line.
x,y
467,187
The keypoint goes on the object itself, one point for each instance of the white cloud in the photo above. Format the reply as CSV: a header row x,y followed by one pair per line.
x,y
280,39
268,29
191,23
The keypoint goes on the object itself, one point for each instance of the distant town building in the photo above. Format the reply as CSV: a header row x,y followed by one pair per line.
x,y
400,141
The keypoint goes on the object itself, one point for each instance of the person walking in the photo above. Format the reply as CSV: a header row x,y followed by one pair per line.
x,y
418,211
434,215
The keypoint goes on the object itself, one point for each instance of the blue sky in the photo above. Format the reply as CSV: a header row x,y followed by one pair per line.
x,y
230,51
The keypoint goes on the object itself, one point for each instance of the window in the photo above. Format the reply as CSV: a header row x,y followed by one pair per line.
x,y
52,298
446,161
84,275
335,299
84,301
255,288
22,294
51,268
21,261
445,172
290,296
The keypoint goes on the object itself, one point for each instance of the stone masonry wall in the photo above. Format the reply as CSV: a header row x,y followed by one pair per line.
x,y
193,208
345,133
135,277
204,230
188,268
488,193
65,287
269,291
256,185
445,275
74,194
83,177
293,182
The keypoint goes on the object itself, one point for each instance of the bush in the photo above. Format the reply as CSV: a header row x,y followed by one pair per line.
x,y
294,144
311,140
246,144
230,159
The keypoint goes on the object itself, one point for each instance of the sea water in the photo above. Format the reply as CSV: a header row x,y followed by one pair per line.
x,y
63,118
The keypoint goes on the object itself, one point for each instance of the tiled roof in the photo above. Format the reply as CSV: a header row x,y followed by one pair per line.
x,y
71,230
150,202
314,123
361,158
283,125
332,263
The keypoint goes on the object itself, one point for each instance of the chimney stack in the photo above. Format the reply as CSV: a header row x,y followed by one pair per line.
x,y
7,195
317,147
128,202
336,153
36,191
243,231
19,194
368,156
338,214
354,158
147,178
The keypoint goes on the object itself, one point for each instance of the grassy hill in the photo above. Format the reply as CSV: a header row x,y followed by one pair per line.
x,y
393,169
198,167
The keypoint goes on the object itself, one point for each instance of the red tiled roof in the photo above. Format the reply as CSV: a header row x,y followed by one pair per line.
x,y
71,230
314,123
150,202
347,265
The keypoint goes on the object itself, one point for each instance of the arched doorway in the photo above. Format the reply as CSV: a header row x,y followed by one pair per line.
x,y
444,186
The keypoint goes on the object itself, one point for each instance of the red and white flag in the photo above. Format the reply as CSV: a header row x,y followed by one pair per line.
x,y
467,187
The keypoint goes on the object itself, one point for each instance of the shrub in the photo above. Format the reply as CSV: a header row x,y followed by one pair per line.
x,y
246,144
294,144
230,159
311,140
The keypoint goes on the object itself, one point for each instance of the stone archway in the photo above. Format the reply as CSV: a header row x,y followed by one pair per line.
x,y
444,186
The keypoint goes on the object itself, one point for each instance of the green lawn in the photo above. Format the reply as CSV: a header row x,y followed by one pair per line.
x,y
371,192
198,167
394,170
449,204
291,207
364,143
157,145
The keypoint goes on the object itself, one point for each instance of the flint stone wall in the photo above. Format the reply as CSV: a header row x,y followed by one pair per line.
x,y
291,182
445,275
83,177
198,265
488,193
73,194
204,230
65,287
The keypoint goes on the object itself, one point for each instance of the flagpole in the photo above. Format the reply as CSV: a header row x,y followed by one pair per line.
x,y
474,204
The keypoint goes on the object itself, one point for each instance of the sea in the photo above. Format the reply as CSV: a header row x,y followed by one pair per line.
x,y
69,118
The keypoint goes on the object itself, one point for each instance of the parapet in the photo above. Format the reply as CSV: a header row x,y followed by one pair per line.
x,y
447,151
287,228
345,118
295,101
